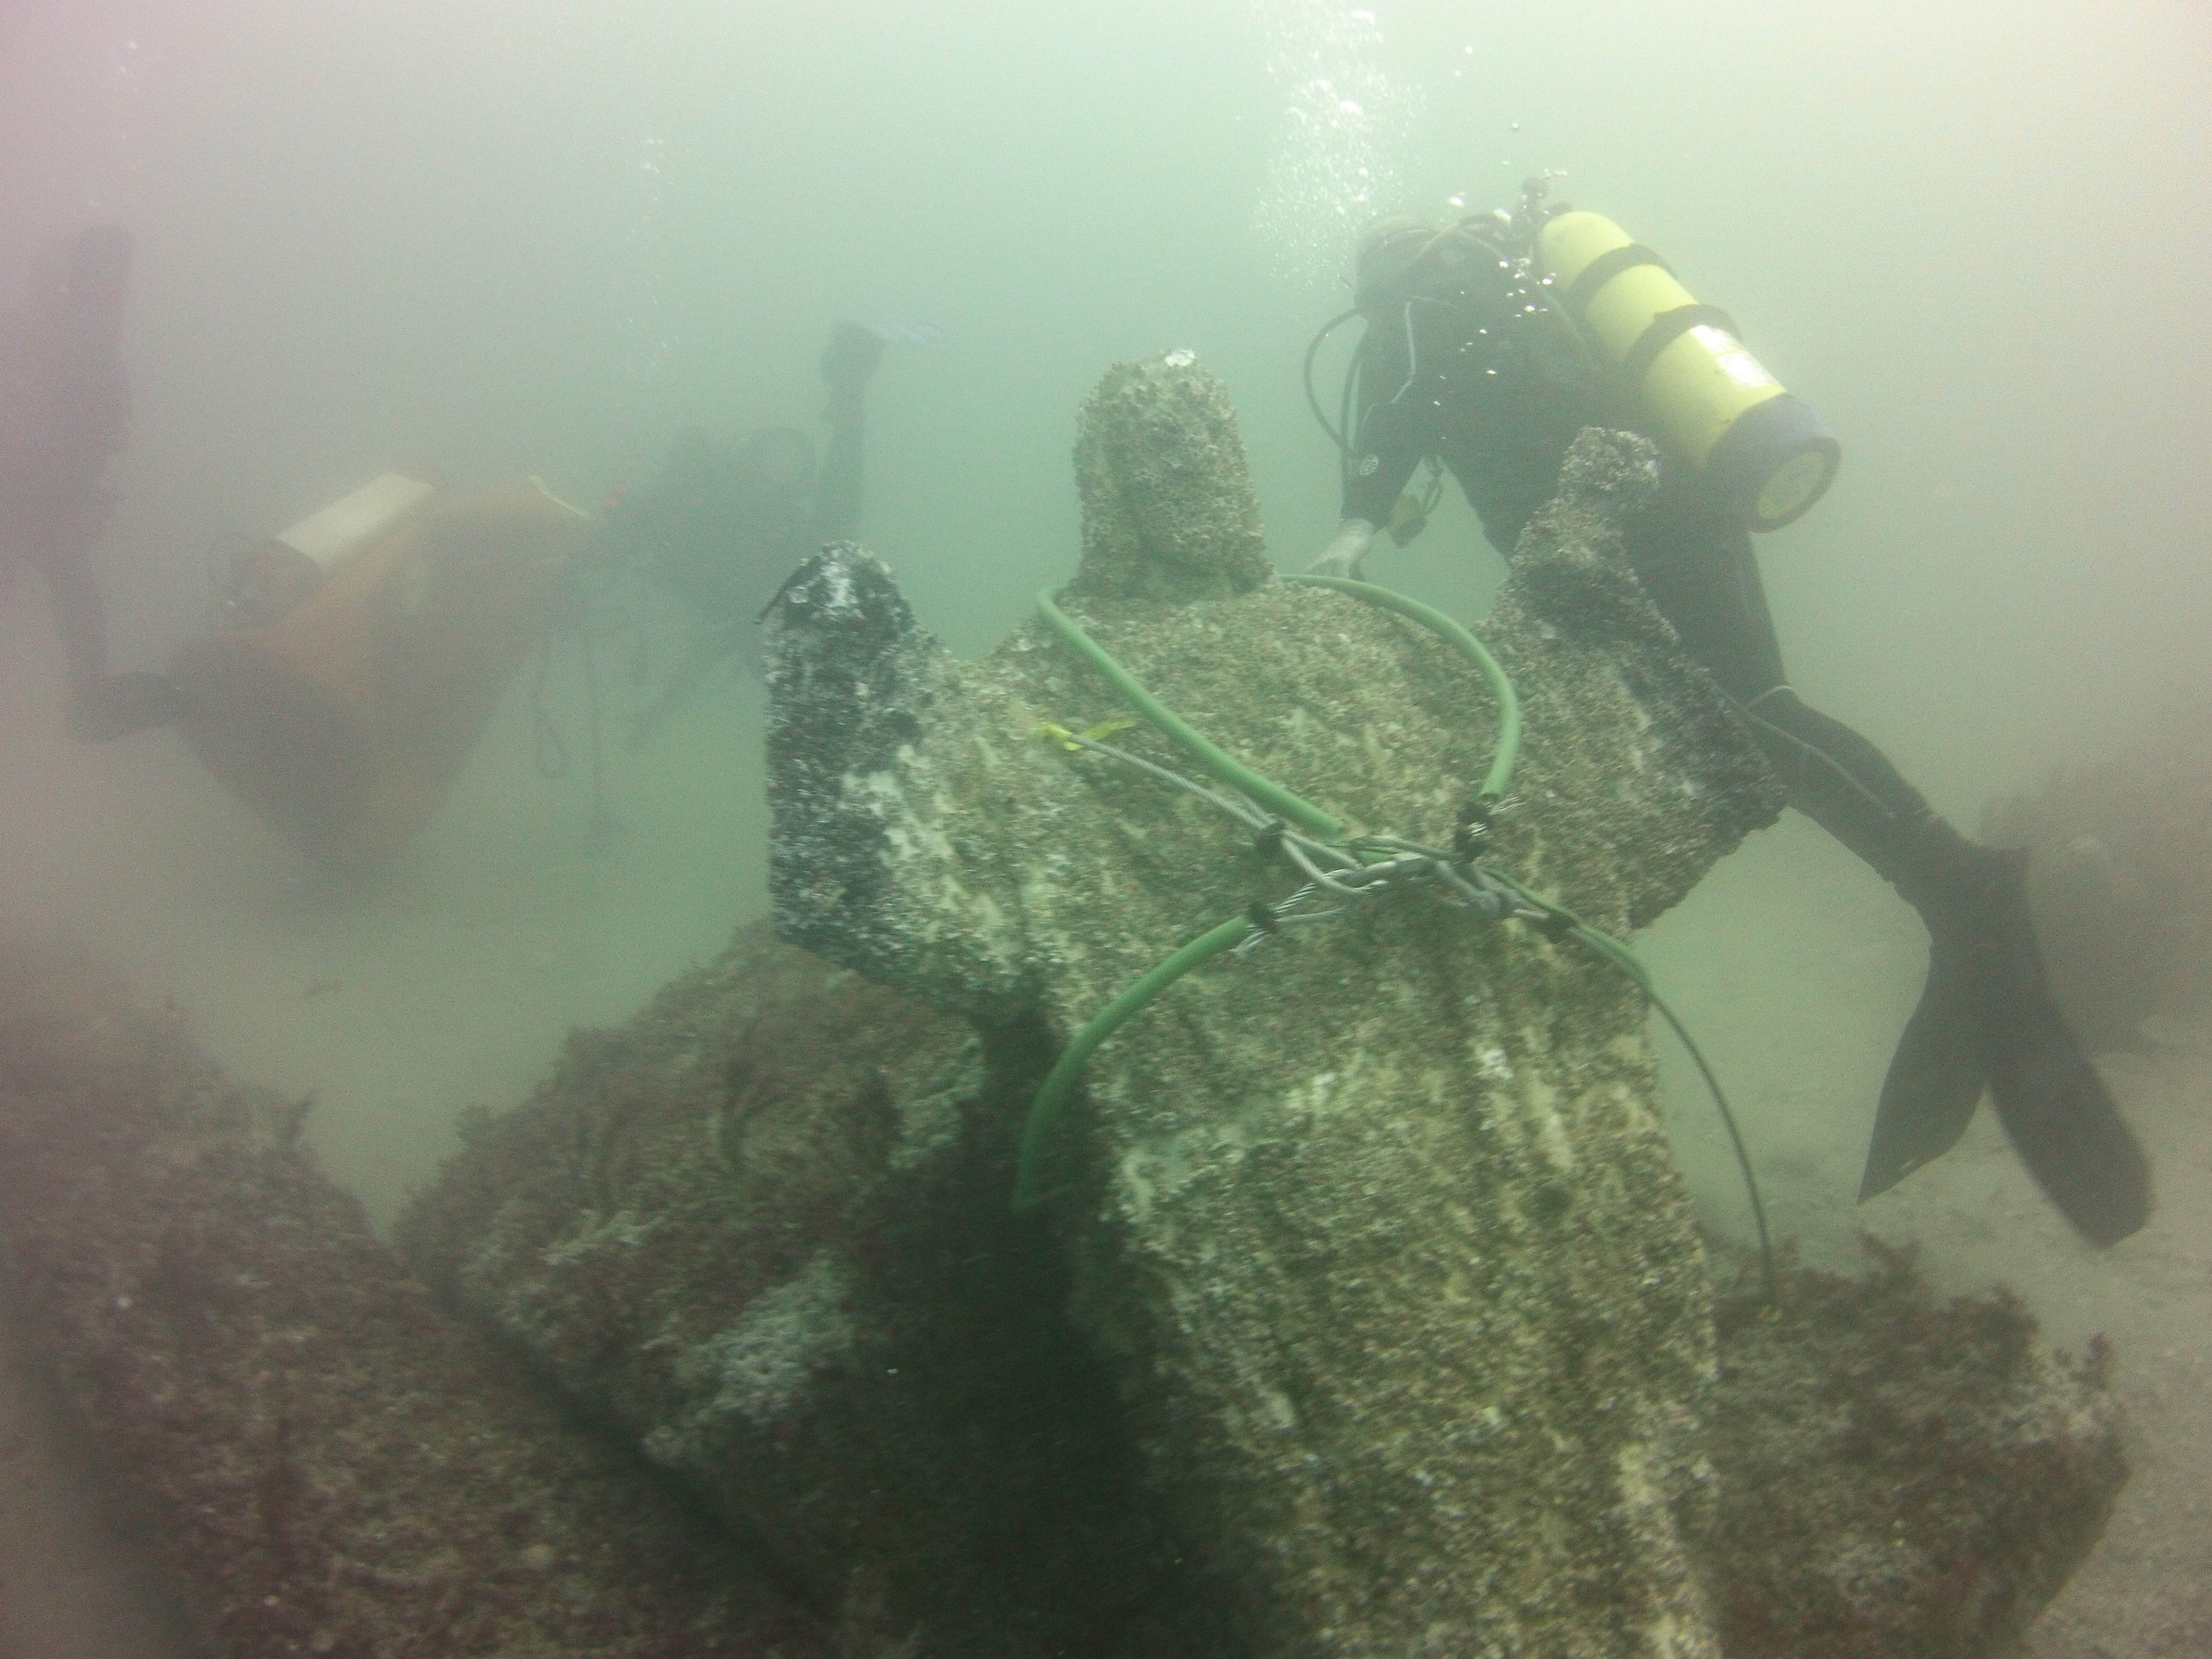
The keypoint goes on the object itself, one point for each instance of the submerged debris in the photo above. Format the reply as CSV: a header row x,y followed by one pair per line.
x,y
2121,877
324,1462
1902,1477
1371,1319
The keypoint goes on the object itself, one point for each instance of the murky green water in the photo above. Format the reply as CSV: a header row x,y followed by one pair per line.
x,y
543,235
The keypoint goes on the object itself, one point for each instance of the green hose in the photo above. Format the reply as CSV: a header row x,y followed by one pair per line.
x,y
1224,768
1044,1113
1508,706
1029,1169
1618,953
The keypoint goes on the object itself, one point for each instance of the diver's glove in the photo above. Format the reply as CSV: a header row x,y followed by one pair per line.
x,y
1347,551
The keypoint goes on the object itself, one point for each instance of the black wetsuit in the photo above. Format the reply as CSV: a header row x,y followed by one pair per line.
x,y
723,528
1496,391
719,536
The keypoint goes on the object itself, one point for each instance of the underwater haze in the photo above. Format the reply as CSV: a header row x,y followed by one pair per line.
x,y
514,237
506,235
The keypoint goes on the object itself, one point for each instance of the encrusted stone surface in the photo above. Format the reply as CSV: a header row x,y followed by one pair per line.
x,y
746,1229
764,1229
1169,510
1901,1476
1379,1225
325,1460
1392,1336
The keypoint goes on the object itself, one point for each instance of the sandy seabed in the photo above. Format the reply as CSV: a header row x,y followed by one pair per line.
x,y
1796,967
450,983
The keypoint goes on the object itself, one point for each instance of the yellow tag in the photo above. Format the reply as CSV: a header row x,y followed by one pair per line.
x,y
1052,733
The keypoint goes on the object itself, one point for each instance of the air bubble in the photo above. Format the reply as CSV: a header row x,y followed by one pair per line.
x,y
1345,122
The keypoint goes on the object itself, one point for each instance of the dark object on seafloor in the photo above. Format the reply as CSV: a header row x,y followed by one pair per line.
x,y
323,1461
1902,1477
2120,877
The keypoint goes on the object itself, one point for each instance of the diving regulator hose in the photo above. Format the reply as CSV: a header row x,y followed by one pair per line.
x,y
1490,893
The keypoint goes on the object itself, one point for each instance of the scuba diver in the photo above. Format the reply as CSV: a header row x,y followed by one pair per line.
x,y
1490,342
64,410
722,528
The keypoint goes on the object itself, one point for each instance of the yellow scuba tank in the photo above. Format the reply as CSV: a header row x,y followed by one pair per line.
x,y
1705,395
267,581
345,721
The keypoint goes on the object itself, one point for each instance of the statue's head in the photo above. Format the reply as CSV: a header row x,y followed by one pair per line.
x,y
1169,510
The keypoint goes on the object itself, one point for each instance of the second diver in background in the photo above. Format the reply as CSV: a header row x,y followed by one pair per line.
x,y
722,528
1473,360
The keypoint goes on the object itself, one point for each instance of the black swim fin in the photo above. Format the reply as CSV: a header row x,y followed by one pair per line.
x,y
1987,1014
2049,1097
1935,1080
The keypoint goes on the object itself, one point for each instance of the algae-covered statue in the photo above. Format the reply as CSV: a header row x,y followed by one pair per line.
x,y
1390,1333
1376,1220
